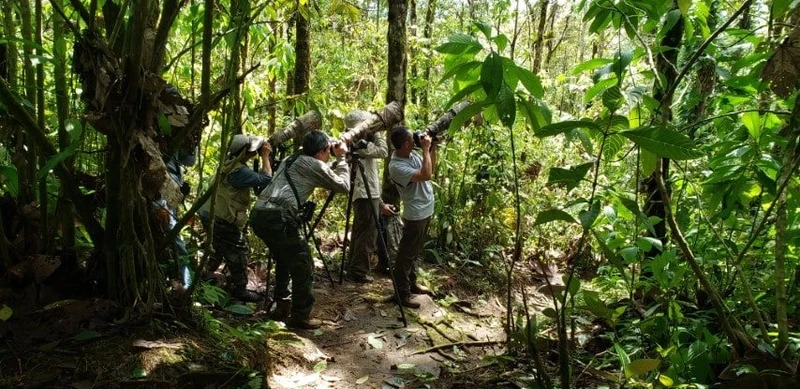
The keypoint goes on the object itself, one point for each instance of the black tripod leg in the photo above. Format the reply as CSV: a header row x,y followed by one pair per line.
x,y
310,236
347,218
382,245
322,211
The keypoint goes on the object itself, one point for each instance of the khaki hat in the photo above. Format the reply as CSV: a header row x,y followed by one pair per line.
x,y
354,118
249,143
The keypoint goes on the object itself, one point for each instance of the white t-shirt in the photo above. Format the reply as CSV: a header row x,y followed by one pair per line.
x,y
417,196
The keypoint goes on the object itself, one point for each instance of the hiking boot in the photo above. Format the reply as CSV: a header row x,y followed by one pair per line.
x,y
248,296
281,311
407,302
304,324
360,278
419,289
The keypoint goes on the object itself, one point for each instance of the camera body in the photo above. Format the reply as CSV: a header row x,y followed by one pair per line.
x,y
417,135
307,211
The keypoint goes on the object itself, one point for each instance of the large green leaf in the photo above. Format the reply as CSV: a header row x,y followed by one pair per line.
x,y
640,367
506,106
492,74
55,160
634,208
621,63
612,98
599,87
460,43
562,127
484,28
590,65
460,95
612,146
552,215
531,81
9,178
460,69
571,177
649,162
664,142
466,114
536,114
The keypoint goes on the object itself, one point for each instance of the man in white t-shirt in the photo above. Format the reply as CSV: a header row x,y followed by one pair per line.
x,y
412,174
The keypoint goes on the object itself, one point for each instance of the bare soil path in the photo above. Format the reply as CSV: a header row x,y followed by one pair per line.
x,y
363,344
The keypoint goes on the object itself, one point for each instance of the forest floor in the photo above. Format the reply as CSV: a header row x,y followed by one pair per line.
x,y
363,342
54,342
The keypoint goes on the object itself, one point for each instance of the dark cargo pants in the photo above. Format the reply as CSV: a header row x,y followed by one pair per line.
x,y
282,235
230,245
405,270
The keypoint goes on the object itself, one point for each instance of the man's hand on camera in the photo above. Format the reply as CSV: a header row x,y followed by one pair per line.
x,y
387,210
425,142
266,150
340,149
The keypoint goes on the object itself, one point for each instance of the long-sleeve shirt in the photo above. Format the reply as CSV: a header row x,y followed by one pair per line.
x,y
307,173
246,177
371,156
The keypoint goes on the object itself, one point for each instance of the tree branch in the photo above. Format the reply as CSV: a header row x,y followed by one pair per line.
x,y
470,343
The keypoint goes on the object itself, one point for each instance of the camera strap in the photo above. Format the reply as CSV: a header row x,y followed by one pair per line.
x,y
289,163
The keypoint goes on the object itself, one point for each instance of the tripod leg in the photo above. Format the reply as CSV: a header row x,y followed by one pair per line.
x,y
322,211
353,165
310,236
382,245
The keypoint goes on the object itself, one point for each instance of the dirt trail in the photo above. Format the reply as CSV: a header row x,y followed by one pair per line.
x,y
362,343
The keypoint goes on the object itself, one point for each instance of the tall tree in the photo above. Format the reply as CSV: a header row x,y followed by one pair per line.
x,y
540,33
412,21
302,50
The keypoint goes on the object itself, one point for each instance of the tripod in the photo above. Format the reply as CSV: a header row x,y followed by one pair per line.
x,y
357,164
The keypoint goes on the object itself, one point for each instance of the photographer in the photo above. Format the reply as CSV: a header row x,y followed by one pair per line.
x,y
412,174
279,215
372,149
232,204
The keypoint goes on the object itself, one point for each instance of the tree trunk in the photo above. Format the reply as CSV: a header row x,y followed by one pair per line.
x,y
427,33
539,42
396,77
302,63
66,212
26,151
240,9
45,229
666,63
412,21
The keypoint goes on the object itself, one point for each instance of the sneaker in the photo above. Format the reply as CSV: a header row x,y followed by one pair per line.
x,y
248,296
419,289
304,324
360,279
407,302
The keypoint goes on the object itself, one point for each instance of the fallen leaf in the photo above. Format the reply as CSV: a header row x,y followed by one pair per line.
x,y
383,313
6,312
362,379
320,366
349,316
374,342
318,332
141,343
139,373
